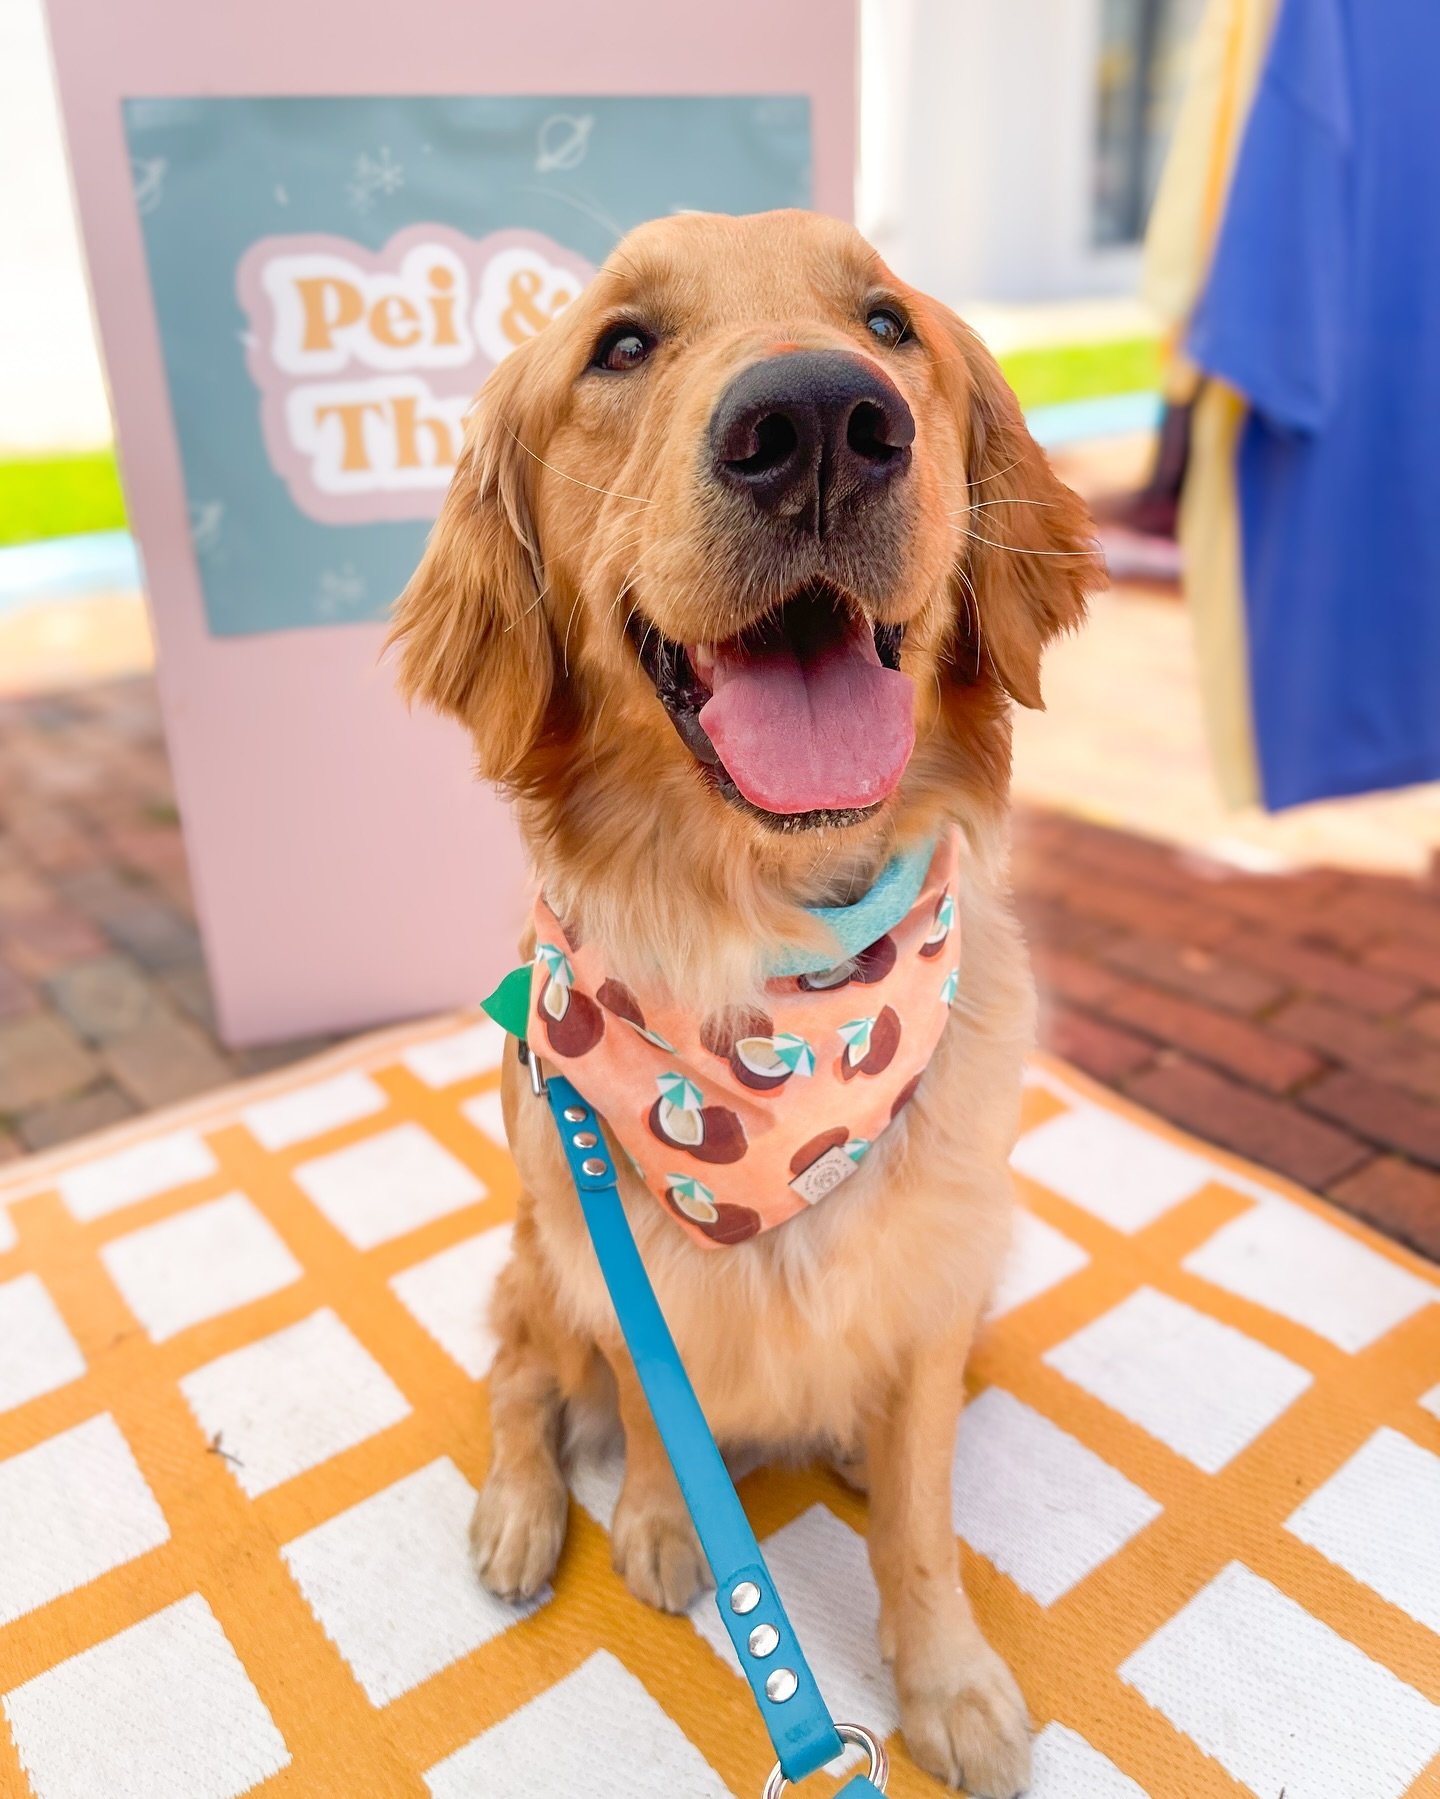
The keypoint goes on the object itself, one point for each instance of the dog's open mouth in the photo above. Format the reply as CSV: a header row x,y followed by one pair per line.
x,y
806,714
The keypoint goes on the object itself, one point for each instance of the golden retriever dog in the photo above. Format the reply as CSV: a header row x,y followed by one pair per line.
x,y
748,447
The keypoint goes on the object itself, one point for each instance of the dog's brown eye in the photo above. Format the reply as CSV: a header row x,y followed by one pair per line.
x,y
624,348
886,325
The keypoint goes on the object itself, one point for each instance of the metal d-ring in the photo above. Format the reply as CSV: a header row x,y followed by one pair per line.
x,y
878,1772
537,1076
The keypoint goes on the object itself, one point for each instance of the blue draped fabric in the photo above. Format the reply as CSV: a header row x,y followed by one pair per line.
x,y
1323,309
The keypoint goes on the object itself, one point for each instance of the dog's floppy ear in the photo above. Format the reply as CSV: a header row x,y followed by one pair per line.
x,y
474,639
1029,556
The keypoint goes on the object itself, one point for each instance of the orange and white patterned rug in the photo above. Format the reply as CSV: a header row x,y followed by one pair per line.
x,y
241,1423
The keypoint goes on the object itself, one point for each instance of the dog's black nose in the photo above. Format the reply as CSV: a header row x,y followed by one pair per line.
x,y
810,432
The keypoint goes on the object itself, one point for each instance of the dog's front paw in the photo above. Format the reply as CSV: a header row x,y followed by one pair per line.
x,y
966,1723
657,1552
517,1531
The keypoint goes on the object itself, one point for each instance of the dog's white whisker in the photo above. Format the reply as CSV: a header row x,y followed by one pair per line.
x,y
624,589
535,604
1016,549
630,617
595,733
994,474
983,505
609,492
565,645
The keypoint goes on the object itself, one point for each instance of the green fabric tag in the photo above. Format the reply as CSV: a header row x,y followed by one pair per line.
x,y
509,1004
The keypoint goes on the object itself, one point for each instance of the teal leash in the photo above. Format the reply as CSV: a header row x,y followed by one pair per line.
x,y
797,1719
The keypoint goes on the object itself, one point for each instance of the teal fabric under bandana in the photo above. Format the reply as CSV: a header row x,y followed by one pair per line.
x,y
857,926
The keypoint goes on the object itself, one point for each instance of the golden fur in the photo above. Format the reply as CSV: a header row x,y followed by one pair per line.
x,y
577,500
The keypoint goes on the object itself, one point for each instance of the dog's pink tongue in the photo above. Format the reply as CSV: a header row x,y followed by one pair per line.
x,y
828,732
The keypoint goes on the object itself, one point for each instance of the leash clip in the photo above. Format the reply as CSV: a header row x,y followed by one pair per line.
x,y
538,1084
877,1773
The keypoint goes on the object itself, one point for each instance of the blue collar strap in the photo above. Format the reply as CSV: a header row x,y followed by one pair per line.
x,y
894,891
799,1723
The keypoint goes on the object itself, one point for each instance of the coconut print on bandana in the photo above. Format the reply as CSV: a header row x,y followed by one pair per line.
x,y
738,1127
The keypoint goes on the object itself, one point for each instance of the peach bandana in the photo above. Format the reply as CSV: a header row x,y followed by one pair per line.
x,y
738,1130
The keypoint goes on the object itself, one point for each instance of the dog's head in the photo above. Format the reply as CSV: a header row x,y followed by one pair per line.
x,y
760,525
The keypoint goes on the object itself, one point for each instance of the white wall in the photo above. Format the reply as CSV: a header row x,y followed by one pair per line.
x,y
977,127
52,395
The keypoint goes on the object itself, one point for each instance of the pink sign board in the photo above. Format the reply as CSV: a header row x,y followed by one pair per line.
x,y
308,244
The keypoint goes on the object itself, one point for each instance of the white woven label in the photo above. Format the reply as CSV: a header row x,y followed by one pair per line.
x,y
823,1175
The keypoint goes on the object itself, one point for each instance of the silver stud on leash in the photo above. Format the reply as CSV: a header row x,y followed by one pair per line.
x,y
764,1640
592,1165
782,1685
744,1597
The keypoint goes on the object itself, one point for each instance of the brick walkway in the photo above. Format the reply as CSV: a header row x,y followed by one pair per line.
x,y
1292,1018
104,1005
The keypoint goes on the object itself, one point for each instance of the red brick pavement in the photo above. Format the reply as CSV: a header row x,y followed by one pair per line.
x,y
104,1005
1294,1019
